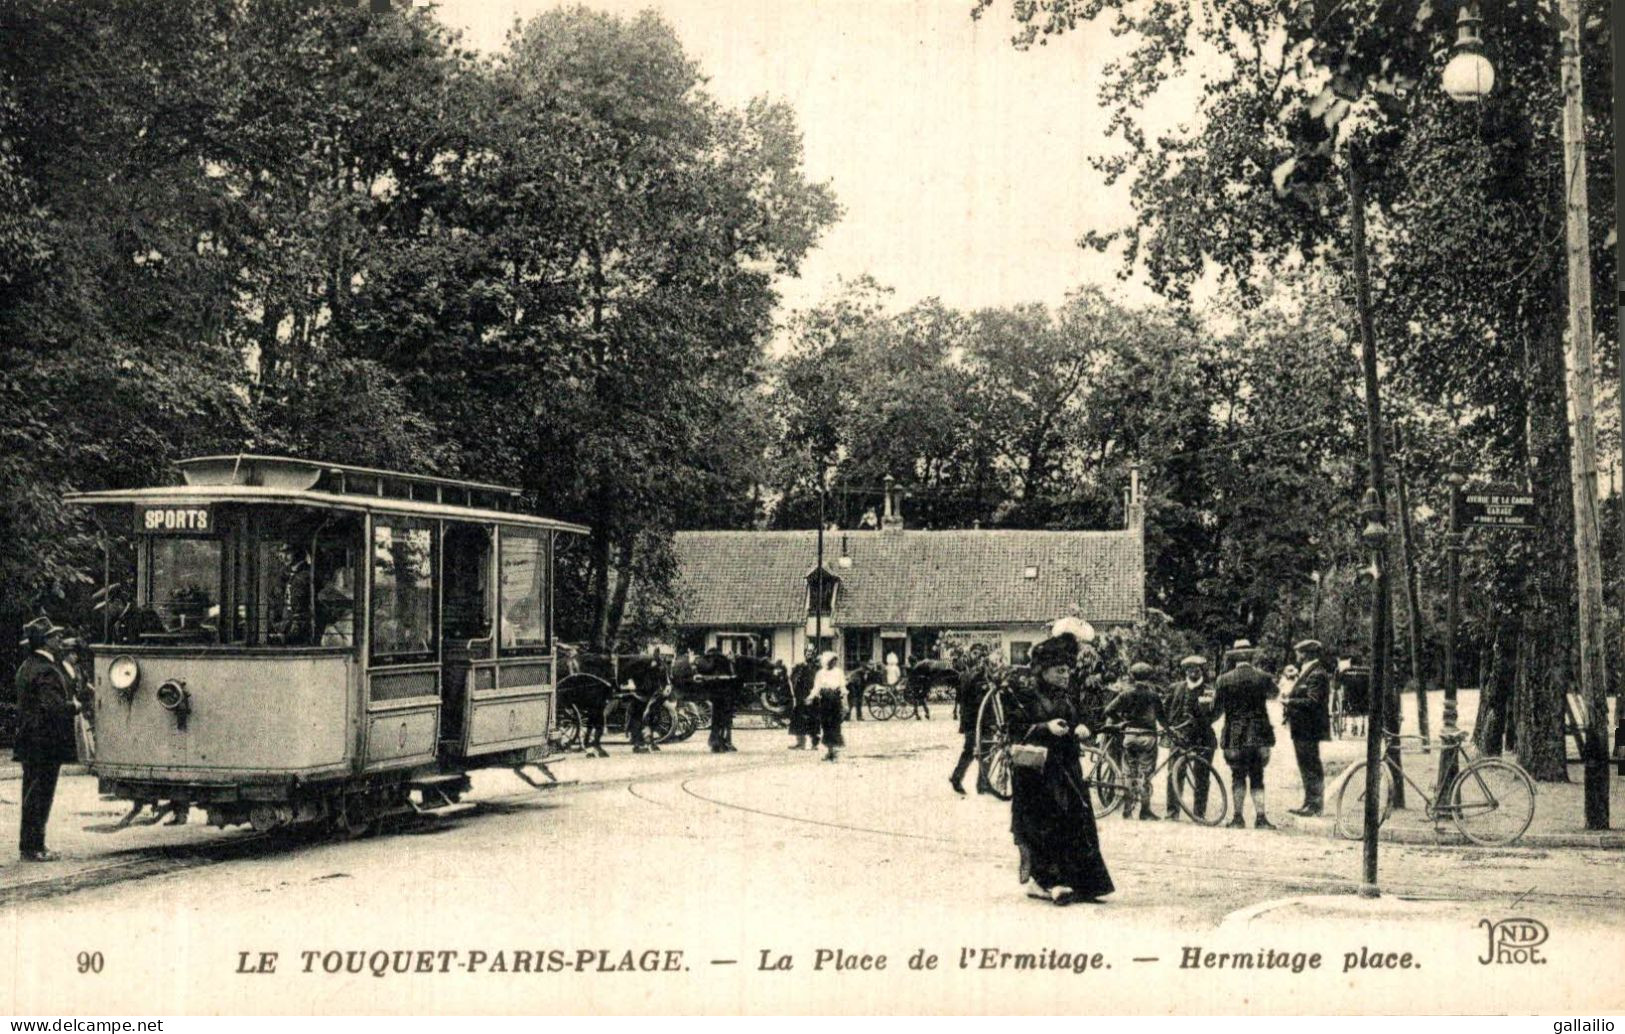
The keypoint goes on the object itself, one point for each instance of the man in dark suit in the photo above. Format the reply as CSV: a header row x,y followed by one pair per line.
x,y
1189,703
974,685
716,672
45,739
1310,722
1247,736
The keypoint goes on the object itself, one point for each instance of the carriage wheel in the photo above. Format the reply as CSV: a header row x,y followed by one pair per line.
x,y
569,727
661,725
881,703
701,710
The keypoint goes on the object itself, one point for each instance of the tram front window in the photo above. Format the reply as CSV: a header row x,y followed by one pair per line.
x,y
403,591
183,593
524,591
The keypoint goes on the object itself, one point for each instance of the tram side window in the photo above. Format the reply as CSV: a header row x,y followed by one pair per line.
x,y
468,582
403,591
183,588
524,591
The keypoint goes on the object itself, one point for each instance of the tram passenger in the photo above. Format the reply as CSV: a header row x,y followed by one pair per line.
x,y
338,611
45,736
829,685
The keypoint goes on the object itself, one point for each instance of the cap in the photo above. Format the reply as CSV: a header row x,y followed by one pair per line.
x,y
1308,646
1194,661
1141,670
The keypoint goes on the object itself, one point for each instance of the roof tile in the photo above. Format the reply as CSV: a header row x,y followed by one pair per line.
x,y
918,578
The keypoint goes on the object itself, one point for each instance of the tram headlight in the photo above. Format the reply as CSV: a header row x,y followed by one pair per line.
x,y
124,673
172,695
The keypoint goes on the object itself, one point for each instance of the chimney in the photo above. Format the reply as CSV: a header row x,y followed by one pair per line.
x,y
1133,503
892,519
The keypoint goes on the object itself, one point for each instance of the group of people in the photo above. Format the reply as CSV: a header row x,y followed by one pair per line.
x,y
1059,701
819,703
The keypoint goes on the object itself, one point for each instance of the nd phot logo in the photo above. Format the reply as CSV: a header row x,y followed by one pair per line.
x,y
1514,942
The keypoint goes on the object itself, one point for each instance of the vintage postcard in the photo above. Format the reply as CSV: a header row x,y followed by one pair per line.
x,y
633,507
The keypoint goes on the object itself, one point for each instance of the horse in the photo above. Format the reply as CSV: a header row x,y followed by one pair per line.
x,y
592,684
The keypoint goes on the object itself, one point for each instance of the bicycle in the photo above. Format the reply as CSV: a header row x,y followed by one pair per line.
x,y
1491,800
1190,772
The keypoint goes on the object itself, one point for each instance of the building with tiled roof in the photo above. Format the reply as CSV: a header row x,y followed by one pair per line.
x,y
901,591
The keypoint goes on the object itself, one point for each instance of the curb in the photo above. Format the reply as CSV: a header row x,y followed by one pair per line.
x,y
1603,840
11,771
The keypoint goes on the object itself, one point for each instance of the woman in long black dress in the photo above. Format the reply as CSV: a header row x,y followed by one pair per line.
x,y
1050,816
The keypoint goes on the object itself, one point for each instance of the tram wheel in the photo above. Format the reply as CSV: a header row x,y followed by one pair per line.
x,y
354,817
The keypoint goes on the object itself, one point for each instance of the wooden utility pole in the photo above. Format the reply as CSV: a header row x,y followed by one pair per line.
x,y
1375,535
1582,419
1413,604
1619,272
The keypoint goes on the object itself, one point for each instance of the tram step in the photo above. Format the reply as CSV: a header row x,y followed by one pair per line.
x,y
443,808
449,781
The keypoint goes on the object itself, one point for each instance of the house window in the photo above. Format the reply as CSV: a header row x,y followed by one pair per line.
x,y
821,591
857,647
1020,650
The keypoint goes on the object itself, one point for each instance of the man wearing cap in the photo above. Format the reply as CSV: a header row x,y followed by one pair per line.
x,y
45,740
1189,703
1310,722
1247,737
1139,709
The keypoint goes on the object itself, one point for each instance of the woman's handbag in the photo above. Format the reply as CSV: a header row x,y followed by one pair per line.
x,y
1028,755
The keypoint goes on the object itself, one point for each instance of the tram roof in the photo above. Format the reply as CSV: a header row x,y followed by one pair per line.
x,y
289,481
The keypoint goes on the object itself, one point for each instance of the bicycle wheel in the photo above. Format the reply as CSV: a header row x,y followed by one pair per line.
x,y
1195,780
1492,801
1351,802
997,772
1105,778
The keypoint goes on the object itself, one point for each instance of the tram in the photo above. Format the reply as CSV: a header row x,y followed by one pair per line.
x,y
285,641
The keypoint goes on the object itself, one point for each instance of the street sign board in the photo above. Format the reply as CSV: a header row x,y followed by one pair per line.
x,y
1496,506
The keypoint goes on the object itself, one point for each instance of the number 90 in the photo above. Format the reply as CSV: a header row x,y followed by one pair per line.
x,y
90,962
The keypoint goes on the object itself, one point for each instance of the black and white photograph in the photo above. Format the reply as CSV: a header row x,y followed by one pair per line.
x,y
837,508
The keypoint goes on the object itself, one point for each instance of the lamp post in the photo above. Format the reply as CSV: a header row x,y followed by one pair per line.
x,y
1452,613
1375,537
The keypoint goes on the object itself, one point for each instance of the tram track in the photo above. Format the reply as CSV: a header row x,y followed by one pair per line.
x,y
171,859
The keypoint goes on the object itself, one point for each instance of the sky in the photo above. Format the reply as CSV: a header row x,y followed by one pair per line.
x,y
961,163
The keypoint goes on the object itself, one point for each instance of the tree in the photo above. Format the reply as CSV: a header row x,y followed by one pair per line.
x,y
1466,202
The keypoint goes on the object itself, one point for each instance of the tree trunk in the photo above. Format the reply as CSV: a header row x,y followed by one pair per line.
x,y
1547,655
1495,695
623,589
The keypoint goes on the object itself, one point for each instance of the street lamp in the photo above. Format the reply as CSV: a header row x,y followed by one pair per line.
x,y
1375,536
1469,76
